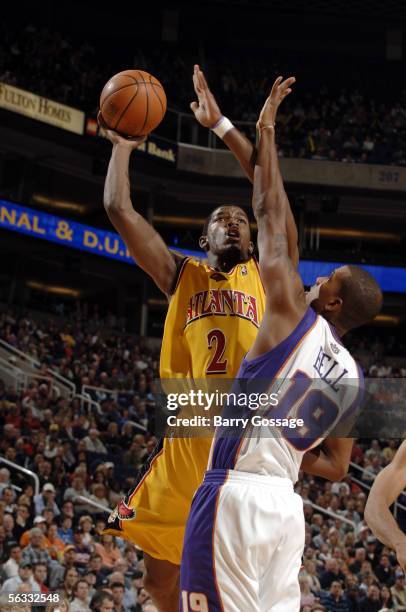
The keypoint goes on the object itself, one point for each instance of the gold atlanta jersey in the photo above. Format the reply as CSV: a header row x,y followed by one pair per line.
x,y
212,321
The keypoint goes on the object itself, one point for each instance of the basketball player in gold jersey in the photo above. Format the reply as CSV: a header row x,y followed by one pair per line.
x,y
213,317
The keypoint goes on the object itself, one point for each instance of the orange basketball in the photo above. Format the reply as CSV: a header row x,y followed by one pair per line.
x,y
133,102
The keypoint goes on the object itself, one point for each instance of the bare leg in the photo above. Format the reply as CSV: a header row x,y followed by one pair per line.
x,y
161,581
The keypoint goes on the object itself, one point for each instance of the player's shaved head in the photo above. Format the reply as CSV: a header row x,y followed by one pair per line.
x,y
349,297
362,297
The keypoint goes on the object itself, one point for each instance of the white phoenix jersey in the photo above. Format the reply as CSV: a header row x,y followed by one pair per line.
x,y
307,385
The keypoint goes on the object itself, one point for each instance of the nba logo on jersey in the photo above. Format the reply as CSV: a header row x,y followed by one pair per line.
x,y
244,270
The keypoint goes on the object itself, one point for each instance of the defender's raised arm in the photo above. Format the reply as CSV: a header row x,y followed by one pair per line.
x,y
208,114
142,240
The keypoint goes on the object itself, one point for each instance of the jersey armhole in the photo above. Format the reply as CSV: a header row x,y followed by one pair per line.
x,y
180,266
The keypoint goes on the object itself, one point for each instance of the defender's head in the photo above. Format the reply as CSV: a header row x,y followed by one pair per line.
x,y
226,234
348,298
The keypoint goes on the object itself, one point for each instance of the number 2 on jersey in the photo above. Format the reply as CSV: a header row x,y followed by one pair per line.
x,y
216,341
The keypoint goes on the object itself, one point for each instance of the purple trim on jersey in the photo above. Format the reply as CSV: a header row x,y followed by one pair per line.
x,y
264,367
198,573
334,331
359,397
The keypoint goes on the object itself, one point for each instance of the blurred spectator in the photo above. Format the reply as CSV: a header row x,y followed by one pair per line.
x,y
102,601
80,601
40,572
34,552
24,577
108,551
11,565
46,499
335,600
399,591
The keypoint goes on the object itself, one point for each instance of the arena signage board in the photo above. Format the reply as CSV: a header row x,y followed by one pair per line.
x,y
153,146
42,109
109,244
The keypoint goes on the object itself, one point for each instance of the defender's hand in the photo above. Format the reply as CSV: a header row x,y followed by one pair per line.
x,y
206,110
116,139
280,89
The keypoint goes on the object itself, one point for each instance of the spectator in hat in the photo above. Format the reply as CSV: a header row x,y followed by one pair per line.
x,y
372,553
10,567
80,601
24,577
82,550
40,522
399,591
46,499
67,562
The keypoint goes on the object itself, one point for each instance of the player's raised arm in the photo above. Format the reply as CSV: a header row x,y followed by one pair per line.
x,y
143,241
208,114
387,487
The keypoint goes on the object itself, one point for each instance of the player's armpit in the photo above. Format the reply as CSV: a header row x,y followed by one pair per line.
x,y
330,460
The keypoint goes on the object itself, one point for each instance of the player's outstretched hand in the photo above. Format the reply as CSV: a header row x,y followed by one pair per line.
x,y
280,89
116,138
206,110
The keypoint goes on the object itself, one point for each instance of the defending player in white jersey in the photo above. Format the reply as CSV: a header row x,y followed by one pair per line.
x,y
387,487
245,534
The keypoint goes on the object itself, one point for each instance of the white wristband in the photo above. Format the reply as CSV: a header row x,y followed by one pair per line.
x,y
222,126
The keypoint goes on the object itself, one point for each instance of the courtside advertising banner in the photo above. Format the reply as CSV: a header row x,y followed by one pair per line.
x,y
42,109
94,240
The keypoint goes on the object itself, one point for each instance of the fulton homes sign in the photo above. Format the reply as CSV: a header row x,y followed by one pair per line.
x,y
29,104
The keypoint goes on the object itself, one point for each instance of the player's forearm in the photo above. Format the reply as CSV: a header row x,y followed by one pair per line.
x,y
380,520
243,150
246,155
318,463
117,199
269,199
142,240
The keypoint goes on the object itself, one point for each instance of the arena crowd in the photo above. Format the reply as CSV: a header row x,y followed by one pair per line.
x,y
53,541
318,123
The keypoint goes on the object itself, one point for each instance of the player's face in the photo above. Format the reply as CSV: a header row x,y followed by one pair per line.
x,y
324,294
229,232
